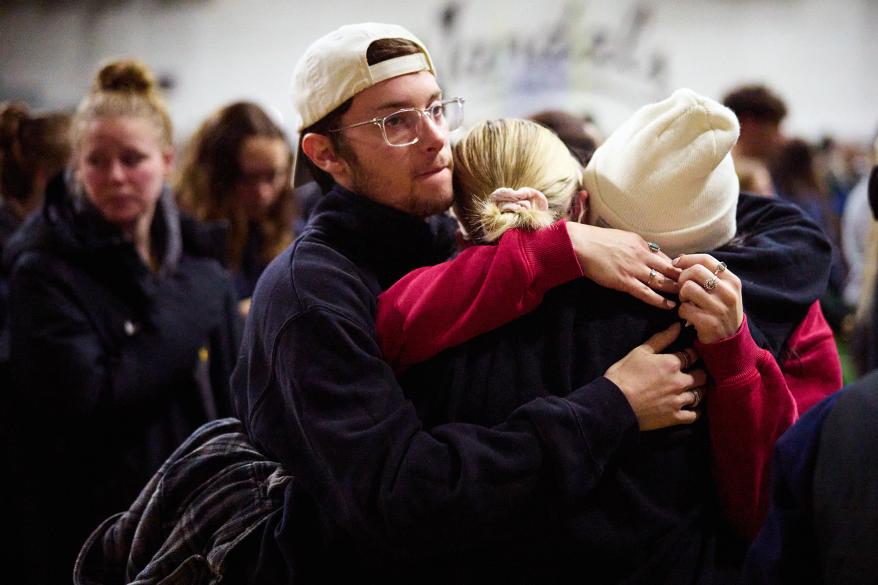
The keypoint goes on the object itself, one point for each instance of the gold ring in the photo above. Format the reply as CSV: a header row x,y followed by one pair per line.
x,y
710,284
721,267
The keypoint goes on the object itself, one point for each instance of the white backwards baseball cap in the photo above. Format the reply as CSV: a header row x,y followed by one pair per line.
x,y
334,69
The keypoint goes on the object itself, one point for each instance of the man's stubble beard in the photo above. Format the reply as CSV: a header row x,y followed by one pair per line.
x,y
366,186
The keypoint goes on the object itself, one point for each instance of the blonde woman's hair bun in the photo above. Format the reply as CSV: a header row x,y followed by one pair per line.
x,y
124,88
125,75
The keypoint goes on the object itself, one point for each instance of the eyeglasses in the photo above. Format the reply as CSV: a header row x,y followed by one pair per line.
x,y
403,128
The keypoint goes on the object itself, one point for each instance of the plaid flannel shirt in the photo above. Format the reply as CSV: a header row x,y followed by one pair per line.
x,y
212,492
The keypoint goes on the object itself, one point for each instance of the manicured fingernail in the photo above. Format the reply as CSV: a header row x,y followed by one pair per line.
x,y
670,304
677,259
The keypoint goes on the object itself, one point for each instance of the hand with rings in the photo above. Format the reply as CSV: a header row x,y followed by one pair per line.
x,y
625,262
710,297
657,386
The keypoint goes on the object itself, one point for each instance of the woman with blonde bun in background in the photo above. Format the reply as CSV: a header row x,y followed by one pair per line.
x,y
506,177
122,335
237,169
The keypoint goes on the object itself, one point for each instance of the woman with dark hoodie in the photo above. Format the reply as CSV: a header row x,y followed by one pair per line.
x,y
121,336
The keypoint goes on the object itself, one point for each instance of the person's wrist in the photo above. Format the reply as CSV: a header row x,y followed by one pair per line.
x,y
721,334
581,242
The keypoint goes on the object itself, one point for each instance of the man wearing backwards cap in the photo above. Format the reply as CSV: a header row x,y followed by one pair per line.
x,y
374,494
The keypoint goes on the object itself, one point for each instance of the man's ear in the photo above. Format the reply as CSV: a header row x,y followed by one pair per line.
x,y
579,206
320,150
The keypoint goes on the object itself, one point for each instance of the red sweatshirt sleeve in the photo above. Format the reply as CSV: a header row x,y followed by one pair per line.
x,y
437,307
753,402
811,366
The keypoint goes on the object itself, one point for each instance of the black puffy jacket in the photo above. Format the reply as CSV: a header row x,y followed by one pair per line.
x,y
113,365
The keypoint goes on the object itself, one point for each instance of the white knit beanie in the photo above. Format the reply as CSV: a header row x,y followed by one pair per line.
x,y
667,174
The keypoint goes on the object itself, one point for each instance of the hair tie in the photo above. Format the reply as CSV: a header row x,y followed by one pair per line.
x,y
511,201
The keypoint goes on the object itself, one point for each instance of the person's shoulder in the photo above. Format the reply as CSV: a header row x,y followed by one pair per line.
x,y
45,263
33,238
752,203
313,275
859,399
758,215
324,274
9,222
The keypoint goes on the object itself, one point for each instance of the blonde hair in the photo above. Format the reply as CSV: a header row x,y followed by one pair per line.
x,y
124,88
515,154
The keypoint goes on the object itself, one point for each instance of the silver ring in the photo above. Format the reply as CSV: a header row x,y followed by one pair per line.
x,y
721,267
710,284
698,393
652,275
654,248
685,361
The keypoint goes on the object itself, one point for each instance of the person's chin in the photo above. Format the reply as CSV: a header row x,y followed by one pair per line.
x,y
121,214
433,201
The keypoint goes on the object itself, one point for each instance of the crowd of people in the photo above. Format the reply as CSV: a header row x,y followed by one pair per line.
x,y
538,354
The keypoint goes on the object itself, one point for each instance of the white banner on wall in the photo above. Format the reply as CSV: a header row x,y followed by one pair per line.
x,y
507,57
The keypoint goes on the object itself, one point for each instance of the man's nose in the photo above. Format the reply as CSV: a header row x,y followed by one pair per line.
x,y
434,135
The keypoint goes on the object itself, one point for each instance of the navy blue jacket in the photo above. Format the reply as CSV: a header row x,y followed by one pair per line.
x,y
822,525
846,487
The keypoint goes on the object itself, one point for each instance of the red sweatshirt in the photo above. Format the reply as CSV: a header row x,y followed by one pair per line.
x,y
753,400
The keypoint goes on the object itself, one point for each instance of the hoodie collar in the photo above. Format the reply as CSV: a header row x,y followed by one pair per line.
x,y
387,241
94,232
71,227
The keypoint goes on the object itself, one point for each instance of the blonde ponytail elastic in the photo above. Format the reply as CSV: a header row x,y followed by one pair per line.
x,y
507,209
